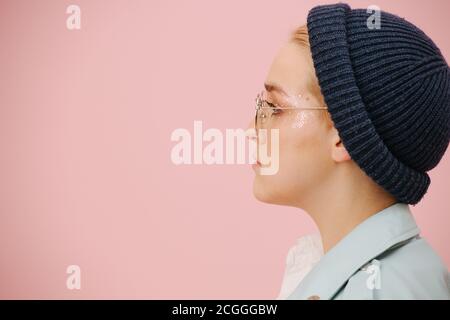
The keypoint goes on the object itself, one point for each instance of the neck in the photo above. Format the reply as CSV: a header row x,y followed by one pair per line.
x,y
346,206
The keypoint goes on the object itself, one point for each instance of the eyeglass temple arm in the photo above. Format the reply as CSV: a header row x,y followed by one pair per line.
x,y
300,108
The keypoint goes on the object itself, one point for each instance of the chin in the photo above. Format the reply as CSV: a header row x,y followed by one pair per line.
x,y
270,190
265,192
259,191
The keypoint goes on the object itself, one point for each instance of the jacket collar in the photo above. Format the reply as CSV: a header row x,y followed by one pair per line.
x,y
381,231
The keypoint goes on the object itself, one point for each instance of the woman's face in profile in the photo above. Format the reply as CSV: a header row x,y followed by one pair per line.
x,y
304,135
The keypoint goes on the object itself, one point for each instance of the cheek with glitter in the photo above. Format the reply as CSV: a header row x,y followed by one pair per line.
x,y
300,119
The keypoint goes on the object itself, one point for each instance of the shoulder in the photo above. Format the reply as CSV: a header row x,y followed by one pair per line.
x,y
410,271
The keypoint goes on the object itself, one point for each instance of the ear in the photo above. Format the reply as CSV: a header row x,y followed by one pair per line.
x,y
338,151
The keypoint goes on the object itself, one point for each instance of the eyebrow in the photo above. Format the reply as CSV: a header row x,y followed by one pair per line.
x,y
274,87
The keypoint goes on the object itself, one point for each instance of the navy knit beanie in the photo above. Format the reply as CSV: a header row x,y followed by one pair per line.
x,y
388,94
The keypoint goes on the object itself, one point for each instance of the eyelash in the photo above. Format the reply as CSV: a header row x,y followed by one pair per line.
x,y
275,110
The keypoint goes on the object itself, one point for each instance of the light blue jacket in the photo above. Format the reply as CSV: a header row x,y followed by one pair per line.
x,y
382,258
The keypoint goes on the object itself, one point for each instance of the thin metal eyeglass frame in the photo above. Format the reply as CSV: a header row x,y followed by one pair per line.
x,y
259,106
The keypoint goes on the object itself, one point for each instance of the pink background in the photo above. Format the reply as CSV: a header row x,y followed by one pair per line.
x,y
85,124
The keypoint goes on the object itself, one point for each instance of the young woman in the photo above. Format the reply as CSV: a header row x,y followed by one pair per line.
x,y
362,114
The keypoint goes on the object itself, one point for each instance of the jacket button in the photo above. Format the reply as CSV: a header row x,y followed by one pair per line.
x,y
314,297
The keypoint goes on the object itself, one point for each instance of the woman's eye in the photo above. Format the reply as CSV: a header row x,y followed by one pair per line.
x,y
275,110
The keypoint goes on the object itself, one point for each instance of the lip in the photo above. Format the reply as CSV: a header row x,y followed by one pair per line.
x,y
256,165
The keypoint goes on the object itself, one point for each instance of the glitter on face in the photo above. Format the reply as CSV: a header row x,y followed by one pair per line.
x,y
301,119
289,101
294,101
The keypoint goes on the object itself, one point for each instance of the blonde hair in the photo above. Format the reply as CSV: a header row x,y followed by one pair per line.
x,y
301,37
